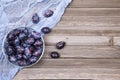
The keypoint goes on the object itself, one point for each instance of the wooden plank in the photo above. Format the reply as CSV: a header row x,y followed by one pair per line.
x,y
85,30
79,63
88,22
95,3
84,52
94,25
78,40
93,19
68,73
85,23
117,41
92,12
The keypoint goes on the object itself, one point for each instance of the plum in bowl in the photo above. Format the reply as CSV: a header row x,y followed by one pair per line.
x,y
23,46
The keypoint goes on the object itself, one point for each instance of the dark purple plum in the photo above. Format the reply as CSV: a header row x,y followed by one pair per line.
x,y
22,62
25,57
60,45
38,47
22,36
19,56
28,62
29,40
11,43
11,36
37,52
27,52
38,43
54,55
35,18
36,35
12,58
17,42
31,48
46,30
16,32
48,13
20,49
33,59
9,51
25,45
25,31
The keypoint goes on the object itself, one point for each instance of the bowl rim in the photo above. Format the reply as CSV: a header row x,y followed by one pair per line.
x,y
3,49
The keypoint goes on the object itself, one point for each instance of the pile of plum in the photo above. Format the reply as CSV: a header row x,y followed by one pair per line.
x,y
23,46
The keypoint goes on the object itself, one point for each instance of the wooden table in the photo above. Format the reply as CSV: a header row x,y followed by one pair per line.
x,y
91,29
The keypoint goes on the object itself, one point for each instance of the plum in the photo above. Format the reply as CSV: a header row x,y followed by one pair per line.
x,y
22,36
38,43
54,55
35,18
10,36
46,30
29,40
22,62
33,59
9,51
16,42
27,52
12,58
37,52
20,49
16,32
36,35
18,56
60,45
48,13
25,57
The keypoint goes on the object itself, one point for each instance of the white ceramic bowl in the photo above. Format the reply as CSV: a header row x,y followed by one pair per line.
x,y
3,49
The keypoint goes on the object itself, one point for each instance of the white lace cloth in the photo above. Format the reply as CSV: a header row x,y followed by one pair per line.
x,y
18,13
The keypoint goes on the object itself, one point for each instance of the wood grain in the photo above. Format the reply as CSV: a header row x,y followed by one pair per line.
x,y
78,40
79,63
91,29
92,12
84,52
68,73
95,4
